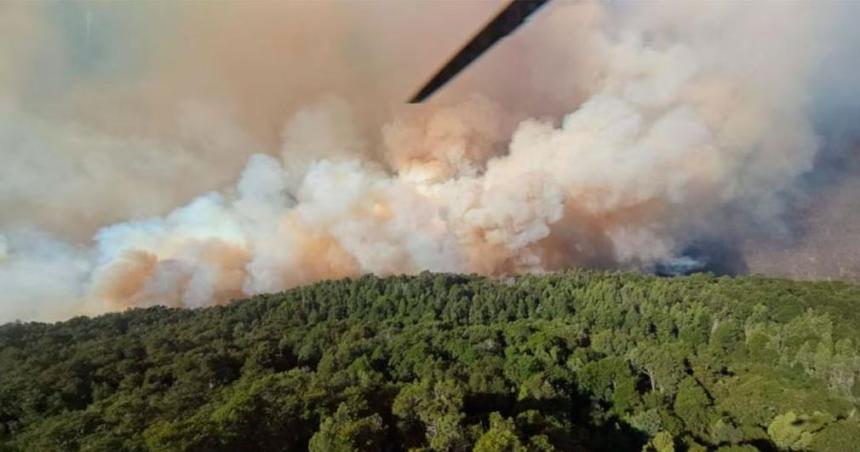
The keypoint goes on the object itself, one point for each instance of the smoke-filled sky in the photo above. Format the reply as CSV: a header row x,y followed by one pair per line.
x,y
190,153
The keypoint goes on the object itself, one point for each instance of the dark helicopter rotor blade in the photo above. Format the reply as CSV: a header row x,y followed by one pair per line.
x,y
508,20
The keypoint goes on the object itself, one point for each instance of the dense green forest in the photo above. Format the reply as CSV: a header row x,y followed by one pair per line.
x,y
571,361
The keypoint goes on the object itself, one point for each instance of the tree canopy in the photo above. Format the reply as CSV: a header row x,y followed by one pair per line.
x,y
581,360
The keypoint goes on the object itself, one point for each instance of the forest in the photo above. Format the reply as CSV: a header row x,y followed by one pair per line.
x,y
579,361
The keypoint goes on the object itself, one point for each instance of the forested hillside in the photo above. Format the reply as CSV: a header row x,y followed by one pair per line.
x,y
574,361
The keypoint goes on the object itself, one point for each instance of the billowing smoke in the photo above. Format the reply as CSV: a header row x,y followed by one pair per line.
x,y
663,137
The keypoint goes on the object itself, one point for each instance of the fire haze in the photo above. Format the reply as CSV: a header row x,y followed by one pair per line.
x,y
622,135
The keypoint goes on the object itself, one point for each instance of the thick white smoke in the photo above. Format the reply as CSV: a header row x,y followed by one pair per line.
x,y
696,124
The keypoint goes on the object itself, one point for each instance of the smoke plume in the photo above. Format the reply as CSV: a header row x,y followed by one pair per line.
x,y
190,154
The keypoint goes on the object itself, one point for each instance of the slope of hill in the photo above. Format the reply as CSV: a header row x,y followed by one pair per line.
x,y
573,361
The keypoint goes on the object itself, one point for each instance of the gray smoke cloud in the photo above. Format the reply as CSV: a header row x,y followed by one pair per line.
x,y
235,149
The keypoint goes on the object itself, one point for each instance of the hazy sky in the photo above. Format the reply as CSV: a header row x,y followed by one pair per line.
x,y
187,153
